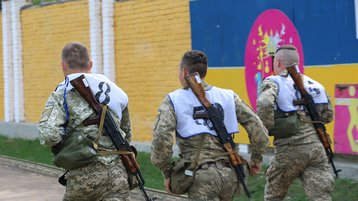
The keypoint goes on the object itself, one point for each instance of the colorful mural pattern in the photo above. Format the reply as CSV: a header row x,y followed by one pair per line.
x,y
346,119
265,37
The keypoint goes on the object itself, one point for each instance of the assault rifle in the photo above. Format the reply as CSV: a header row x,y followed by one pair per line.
x,y
308,102
225,138
112,130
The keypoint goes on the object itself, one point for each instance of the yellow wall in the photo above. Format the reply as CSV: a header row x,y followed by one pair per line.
x,y
234,78
1,74
45,31
151,37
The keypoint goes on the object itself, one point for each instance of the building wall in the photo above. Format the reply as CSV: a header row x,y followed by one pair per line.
x,y
45,31
151,37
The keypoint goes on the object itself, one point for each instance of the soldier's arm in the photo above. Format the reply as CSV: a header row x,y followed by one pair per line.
x,y
162,144
266,102
126,124
51,123
325,111
256,130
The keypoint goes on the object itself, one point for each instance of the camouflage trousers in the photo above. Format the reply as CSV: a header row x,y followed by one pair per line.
x,y
308,163
98,182
213,184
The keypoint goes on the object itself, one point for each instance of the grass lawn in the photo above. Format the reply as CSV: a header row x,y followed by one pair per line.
x,y
345,189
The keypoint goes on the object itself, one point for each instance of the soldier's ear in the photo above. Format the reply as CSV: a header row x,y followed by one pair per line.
x,y
89,67
279,63
64,67
185,72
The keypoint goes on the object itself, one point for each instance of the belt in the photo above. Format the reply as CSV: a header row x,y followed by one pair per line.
x,y
217,164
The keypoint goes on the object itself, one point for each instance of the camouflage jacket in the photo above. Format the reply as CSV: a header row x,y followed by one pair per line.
x,y
51,129
212,149
266,105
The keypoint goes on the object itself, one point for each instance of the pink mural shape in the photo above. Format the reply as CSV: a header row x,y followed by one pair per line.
x,y
270,30
346,119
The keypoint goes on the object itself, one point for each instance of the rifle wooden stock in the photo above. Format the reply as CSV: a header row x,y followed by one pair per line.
x,y
312,111
130,162
194,82
112,130
233,155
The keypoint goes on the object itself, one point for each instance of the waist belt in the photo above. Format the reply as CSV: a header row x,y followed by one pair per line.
x,y
217,164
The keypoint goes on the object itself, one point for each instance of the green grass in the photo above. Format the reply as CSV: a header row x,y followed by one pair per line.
x,y
152,175
25,149
345,189
32,150
37,2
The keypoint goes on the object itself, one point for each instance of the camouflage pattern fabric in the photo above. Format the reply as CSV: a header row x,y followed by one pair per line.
x,y
98,182
212,150
308,163
301,156
51,131
213,184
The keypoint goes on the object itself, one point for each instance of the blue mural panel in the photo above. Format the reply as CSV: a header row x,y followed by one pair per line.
x,y
326,28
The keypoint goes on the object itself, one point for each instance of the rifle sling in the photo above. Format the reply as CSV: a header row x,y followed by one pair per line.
x,y
114,152
100,133
101,123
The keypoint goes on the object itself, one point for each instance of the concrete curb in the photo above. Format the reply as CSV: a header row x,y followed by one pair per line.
x,y
19,130
46,170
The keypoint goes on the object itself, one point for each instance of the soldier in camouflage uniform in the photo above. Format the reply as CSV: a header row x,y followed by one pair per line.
x,y
214,179
299,155
105,178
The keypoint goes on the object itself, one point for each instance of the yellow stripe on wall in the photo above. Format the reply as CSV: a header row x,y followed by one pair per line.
x,y
45,31
150,39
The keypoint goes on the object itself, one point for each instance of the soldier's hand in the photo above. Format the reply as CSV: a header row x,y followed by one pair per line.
x,y
167,185
254,168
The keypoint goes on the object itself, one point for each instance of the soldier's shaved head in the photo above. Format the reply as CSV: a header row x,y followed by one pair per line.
x,y
287,54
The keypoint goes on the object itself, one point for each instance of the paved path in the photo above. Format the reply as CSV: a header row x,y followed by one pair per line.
x,y
27,181
20,184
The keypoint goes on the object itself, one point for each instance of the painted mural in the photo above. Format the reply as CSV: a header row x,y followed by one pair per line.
x,y
265,37
238,37
346,119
